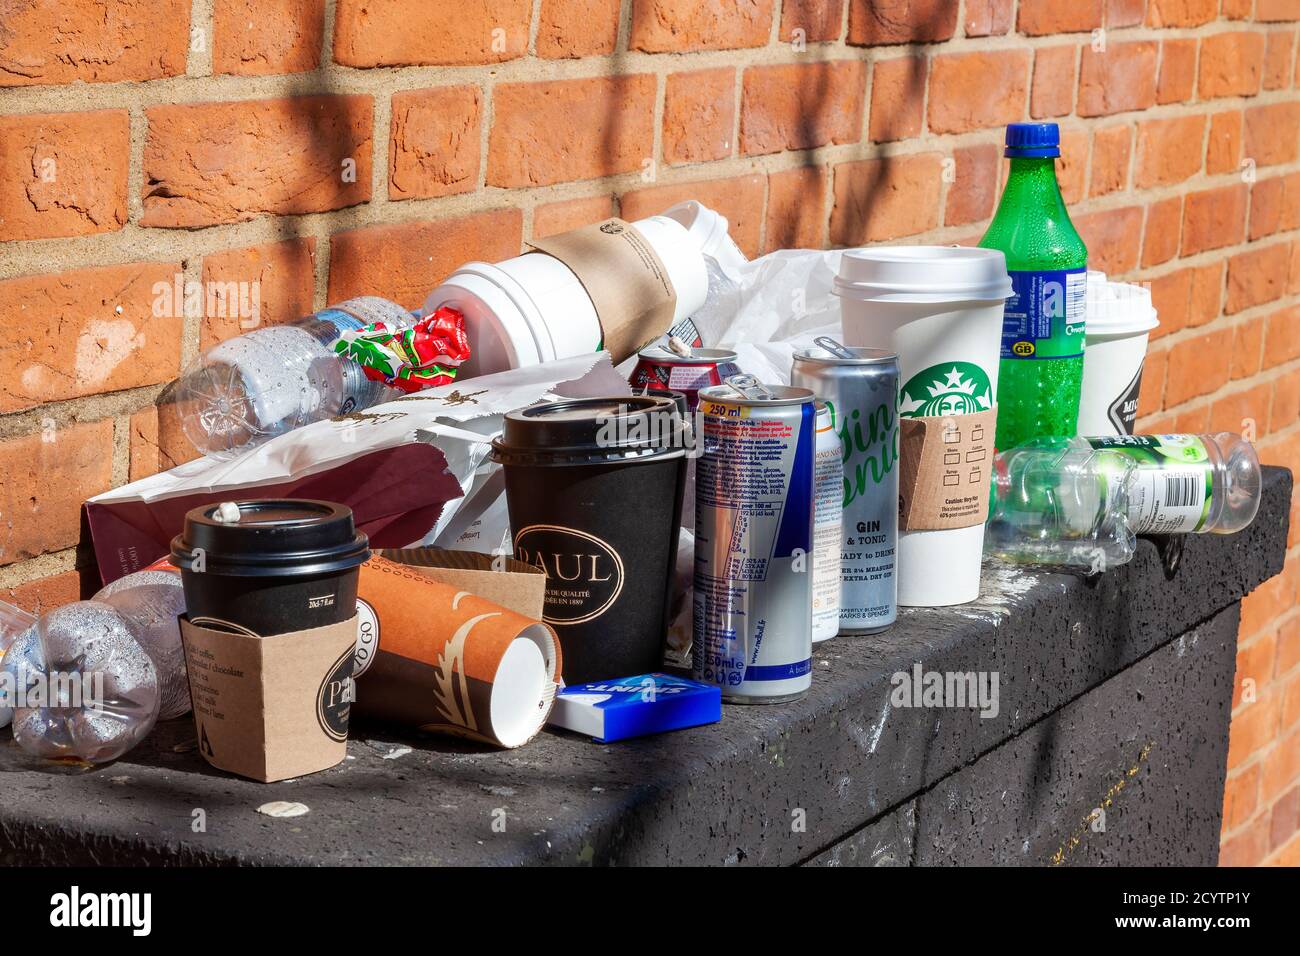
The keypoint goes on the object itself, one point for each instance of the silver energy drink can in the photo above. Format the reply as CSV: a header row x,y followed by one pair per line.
x,y
828,488
860,387
752,627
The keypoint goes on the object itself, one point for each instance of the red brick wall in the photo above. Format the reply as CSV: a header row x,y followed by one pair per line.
x,y
324,148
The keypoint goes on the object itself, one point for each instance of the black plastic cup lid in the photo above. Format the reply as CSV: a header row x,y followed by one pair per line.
x,y
284,537
594,429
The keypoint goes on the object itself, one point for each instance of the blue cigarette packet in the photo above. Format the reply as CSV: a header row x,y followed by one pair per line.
x,y
610,710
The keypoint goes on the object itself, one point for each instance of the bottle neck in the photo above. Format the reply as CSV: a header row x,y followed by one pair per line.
x,y
1031,185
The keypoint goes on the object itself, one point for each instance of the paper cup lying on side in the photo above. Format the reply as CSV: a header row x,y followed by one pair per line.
x,y
444,660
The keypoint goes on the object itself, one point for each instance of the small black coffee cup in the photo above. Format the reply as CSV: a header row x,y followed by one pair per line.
x,y
279,566
594,490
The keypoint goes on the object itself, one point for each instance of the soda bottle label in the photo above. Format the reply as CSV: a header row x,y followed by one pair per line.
x,y
1044,318
1173,484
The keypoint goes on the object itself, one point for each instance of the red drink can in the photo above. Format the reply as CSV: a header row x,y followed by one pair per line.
x,y
659,367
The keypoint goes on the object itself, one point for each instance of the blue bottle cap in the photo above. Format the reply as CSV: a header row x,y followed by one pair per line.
x,y
1028,140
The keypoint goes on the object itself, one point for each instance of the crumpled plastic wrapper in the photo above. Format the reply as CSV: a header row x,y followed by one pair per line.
x,y
425,355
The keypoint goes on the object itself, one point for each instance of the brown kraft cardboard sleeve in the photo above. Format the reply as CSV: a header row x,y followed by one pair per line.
x,y
433,658
274,707
623,275
945,465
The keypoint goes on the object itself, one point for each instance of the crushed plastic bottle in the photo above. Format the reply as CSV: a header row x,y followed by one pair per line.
x,y
14,621
1081,502
154,601
272,380
84,687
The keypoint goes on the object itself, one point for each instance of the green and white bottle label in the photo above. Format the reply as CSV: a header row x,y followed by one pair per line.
x,y
951,388
1172,486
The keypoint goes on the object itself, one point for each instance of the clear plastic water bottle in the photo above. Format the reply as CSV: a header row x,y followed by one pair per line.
x,y
14,622
1080,502
154,601
272,380
84,687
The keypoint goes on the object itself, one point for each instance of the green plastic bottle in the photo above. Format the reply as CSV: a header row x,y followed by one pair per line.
x,y
1042,328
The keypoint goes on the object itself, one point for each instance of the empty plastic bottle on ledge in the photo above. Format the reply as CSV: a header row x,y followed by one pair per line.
x,y
1080,502
272,380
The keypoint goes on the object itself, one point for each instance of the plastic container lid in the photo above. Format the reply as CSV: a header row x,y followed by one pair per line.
x,y
709,229
1118,308
923,274
589,431
1031,140
272,537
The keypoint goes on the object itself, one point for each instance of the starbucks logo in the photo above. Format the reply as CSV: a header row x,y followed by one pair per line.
x,y
953,388
584,574
611,228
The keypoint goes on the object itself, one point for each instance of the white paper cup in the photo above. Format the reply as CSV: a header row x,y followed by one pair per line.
x,y
710,231
533,308
1120,318
940,309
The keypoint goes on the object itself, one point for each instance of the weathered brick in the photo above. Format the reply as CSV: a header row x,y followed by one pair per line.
x,y
47,476
248,288
1237,9
52,184
157,442
1122,77
1286,396
1187,297
1247,349
1072,167
1271,133
1214,218
1223,149
739,198
403,262
975,90
1198,366
577,28
1125,13
556,217
1181,13
45,594
66,42
1053,86
1113,238
795,202
1282,337
1274,206
673,26
1247,847
1151,393
897,98
88,331
1177,77
1277,59
1240,412
1230,65
1163,231
210,163
563,130
699,115
433,149
389,33
873,22
1240,795
974,188
1274,11
1111,148
887,198
259,37
801,106
1043,17
819,20
1168,150
986,18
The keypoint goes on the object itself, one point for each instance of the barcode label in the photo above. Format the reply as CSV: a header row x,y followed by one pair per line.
x,y
1180,490
1167,500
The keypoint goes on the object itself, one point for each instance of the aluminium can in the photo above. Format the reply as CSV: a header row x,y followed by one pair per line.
x,y
660,367
862,395
828,487
752,624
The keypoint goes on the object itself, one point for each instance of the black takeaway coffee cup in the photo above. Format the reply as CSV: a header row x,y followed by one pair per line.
x,y
270,567
594,489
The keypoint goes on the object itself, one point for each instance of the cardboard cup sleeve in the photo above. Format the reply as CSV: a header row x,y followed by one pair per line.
x,y
441,659
945,467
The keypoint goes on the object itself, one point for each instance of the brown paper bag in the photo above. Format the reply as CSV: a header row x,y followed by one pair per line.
x,y
433,656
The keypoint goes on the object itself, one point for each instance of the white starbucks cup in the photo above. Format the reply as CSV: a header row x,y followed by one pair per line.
x,y
710,231
533,308
1120,319
939,308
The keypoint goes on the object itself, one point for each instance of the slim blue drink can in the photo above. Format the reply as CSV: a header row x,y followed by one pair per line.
x,y
752,627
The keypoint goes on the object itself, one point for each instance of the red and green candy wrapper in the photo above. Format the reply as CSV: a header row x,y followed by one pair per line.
x,y
427,354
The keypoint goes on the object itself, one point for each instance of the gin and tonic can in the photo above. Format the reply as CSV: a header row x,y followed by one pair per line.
x,y
828,484
860,387
752,626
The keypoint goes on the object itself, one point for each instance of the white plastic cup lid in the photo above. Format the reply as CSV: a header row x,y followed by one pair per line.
x,y
1118,308
923,274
